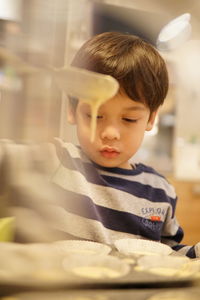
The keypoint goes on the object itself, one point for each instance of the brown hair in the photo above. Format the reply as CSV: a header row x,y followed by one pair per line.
x,y
138,67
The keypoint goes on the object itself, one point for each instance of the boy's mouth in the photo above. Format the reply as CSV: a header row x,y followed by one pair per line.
x,y
109,152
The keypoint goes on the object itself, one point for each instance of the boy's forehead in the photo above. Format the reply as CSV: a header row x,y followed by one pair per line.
x,y
124,103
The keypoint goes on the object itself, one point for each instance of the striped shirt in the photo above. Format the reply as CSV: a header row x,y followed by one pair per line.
x,y
105,204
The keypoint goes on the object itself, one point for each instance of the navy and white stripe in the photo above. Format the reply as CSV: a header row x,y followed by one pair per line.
x,y
105,204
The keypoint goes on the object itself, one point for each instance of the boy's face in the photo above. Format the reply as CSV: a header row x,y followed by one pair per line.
x,y
121,124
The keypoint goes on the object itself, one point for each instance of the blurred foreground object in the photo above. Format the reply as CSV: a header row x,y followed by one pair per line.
x,y
17,63
7,229
27,192
86,85
26,168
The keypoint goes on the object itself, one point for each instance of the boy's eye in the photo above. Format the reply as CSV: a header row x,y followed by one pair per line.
x,y
130,120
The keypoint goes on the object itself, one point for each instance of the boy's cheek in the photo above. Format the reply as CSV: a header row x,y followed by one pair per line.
x,y
84,121
84,130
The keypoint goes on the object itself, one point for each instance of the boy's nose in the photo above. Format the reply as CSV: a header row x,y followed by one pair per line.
x,y
110,133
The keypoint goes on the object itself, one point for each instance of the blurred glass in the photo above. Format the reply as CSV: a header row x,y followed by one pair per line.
x,y
30,101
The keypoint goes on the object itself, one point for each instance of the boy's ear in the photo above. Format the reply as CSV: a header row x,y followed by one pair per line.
x,y
71,114
151,120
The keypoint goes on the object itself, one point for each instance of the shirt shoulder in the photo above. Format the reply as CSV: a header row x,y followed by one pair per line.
x,y
66,150
155,179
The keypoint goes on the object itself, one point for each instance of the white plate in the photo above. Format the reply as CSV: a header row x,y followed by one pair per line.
x,y
141,247
82,247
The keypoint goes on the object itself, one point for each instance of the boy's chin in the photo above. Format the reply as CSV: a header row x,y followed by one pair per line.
x,y
112,164
109,164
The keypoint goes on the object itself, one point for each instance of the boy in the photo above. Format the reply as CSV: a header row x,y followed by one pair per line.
x,y
107,197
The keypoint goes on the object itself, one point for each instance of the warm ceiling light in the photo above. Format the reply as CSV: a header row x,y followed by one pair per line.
x,y
175,33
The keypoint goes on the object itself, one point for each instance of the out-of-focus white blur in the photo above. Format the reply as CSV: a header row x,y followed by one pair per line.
x,y
11,10
175,33
38,35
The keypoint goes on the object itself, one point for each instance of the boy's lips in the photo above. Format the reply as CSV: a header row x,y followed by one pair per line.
x,y
109,152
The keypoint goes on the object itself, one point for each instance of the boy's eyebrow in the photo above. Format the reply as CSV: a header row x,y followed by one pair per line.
x,y
134,108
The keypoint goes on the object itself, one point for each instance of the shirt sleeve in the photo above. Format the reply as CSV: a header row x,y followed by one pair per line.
x,y
173,234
